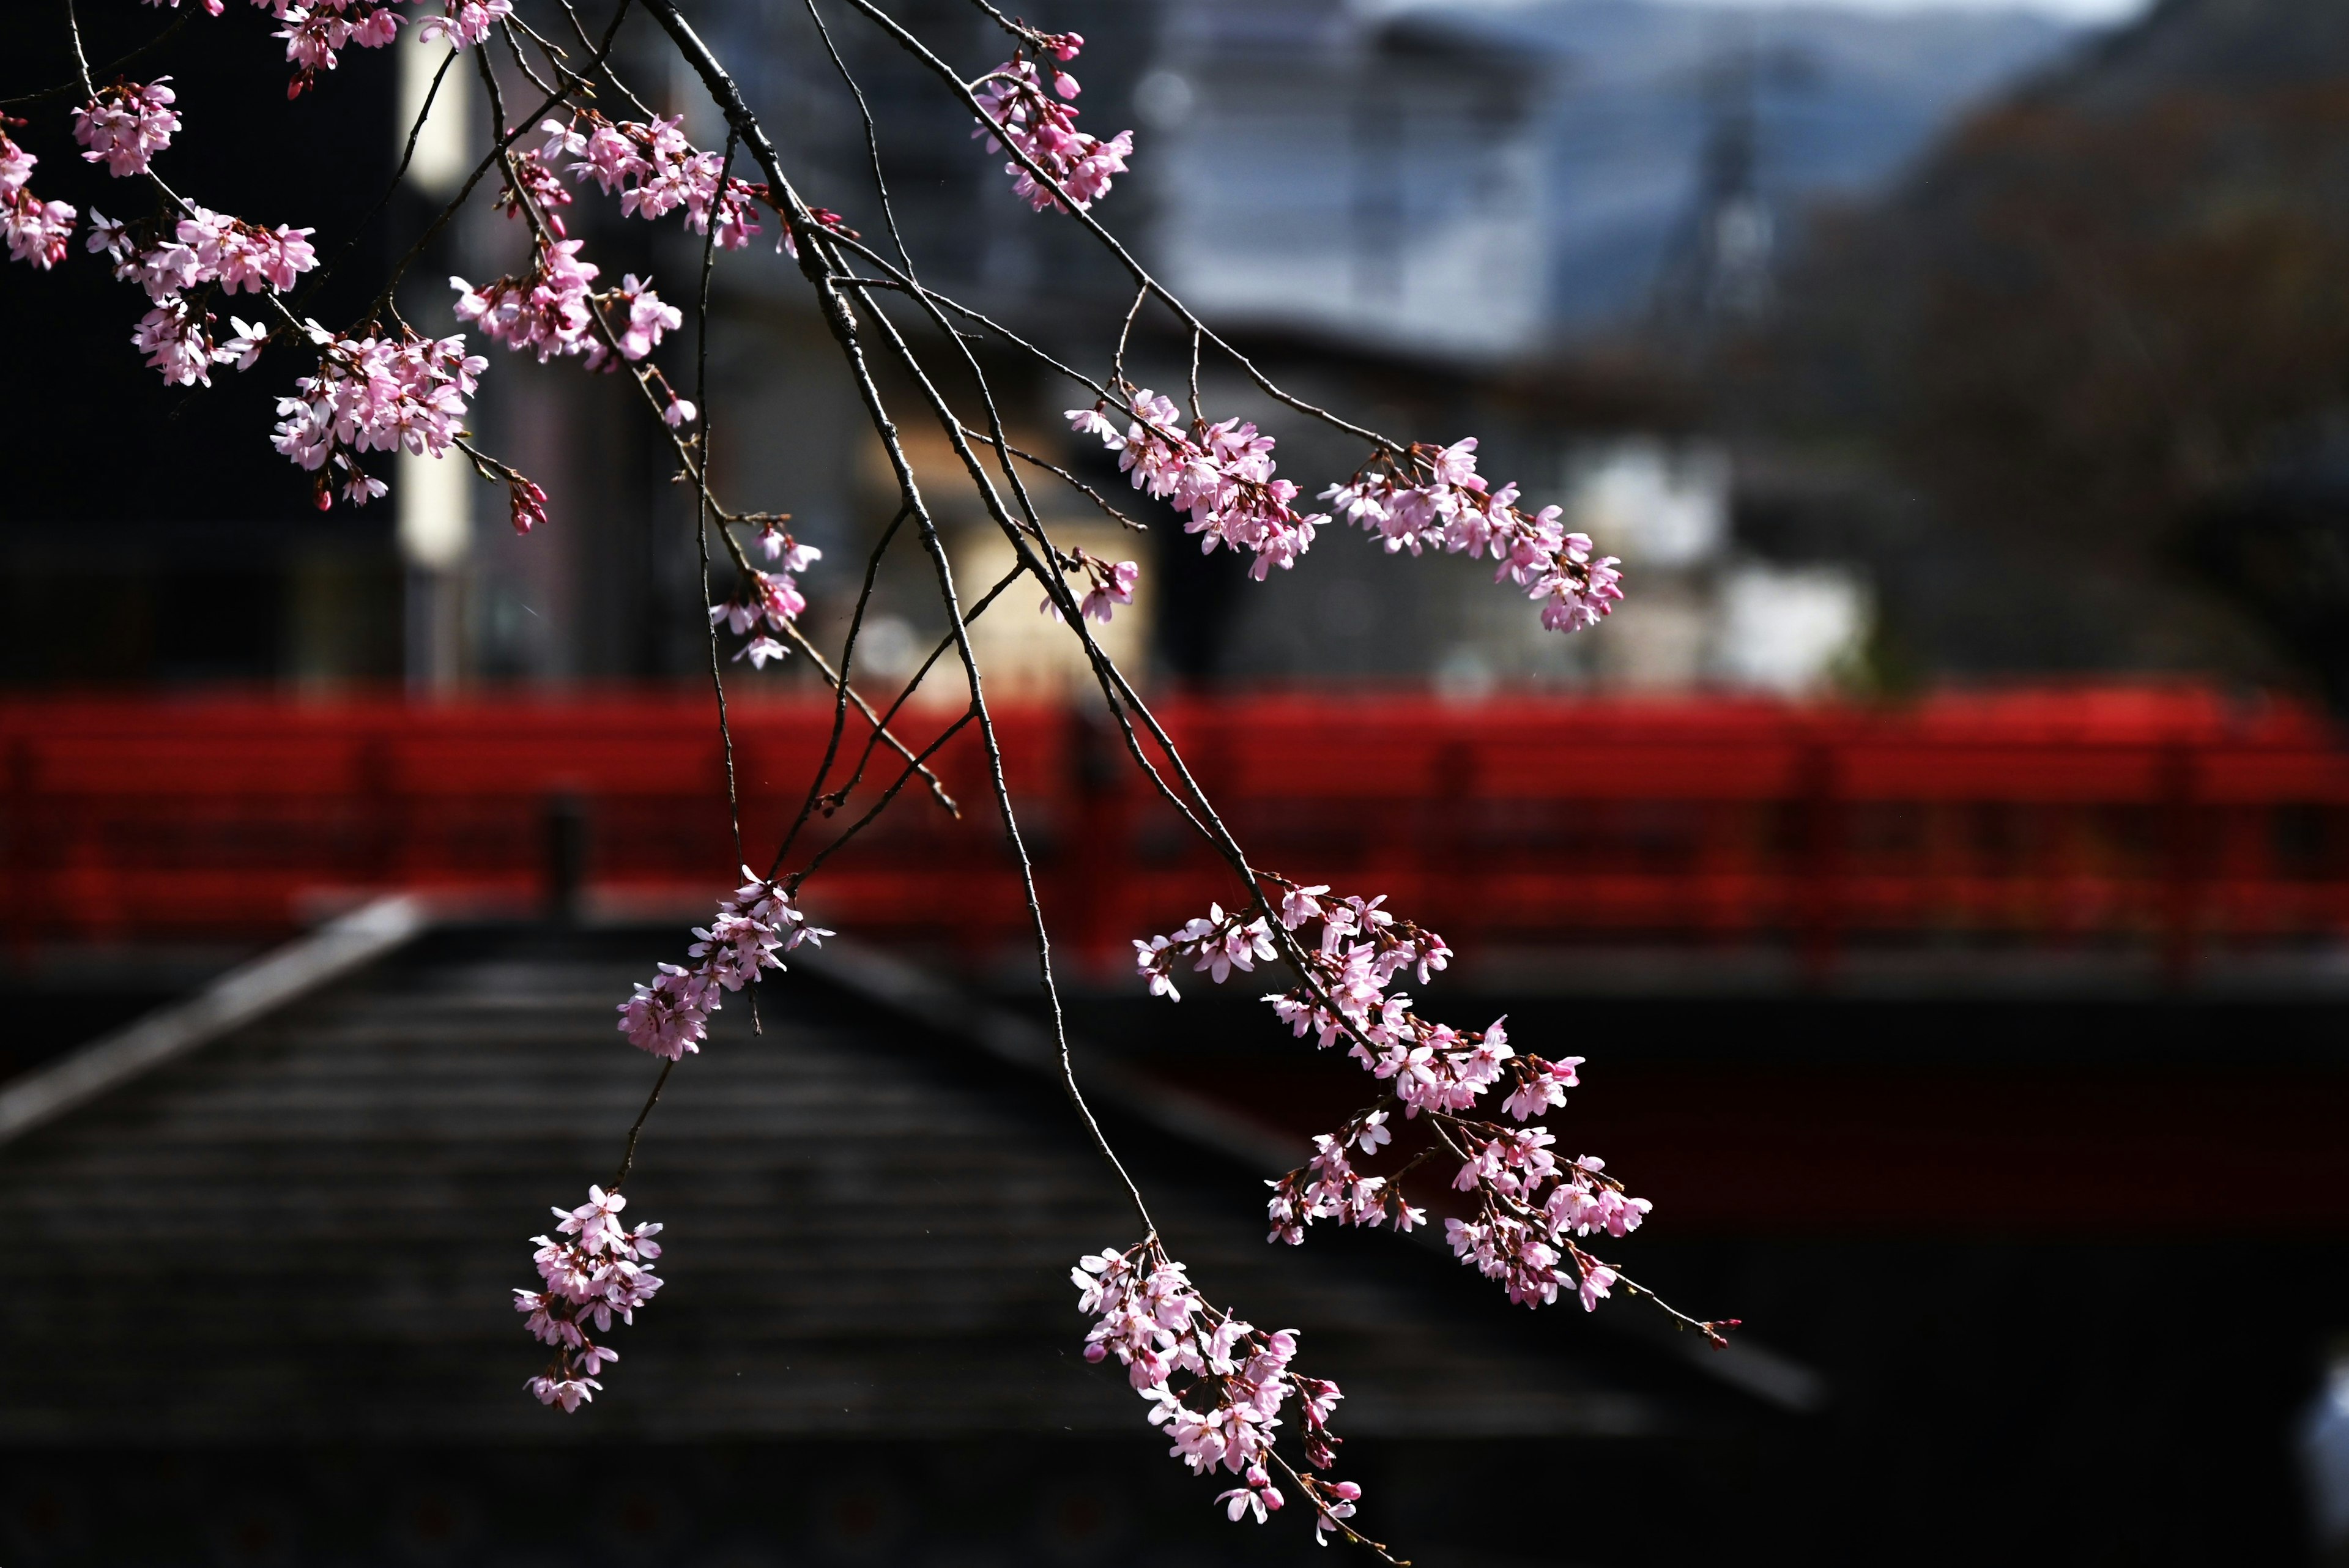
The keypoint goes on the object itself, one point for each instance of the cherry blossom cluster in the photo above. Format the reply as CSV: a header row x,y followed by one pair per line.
x,y
203,251
1108,586
126,125
525,503
532,186
203,247
1433,497
36,230
1038,123
392,392
552,310
313,32
1526,1208
767,601
656,171
1362,947
596,1273
1233,1379
669,1017
1222,474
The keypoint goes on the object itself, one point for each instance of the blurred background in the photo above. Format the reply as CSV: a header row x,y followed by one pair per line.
x,y
1942,857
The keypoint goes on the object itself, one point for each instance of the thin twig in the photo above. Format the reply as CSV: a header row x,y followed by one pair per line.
x,y
82,83
840,695
1054,469
1116,247
702,521
628,1154
494,159
872,136
407,154
946,645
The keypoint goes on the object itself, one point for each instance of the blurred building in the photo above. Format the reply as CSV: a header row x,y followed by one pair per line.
x,y
1410,207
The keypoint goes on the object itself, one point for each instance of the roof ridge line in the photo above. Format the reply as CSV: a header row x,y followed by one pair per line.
x,y
921,995
248,993
914,991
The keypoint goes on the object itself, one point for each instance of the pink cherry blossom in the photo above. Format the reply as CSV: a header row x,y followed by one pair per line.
x,y
1335,1501
646,316
655,170
172,337
759,652
778,546
241,256
1528,1208
550,312
1217,1385
127,124
1114,588
16,163
387,393
313,32
1433,497
771,599
594,1275
525,503
1019,111
669,1015
1109,585
464,22
203,247
1222,474
530,184
35,231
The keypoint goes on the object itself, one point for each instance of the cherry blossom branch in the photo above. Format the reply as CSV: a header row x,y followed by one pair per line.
x,y
840,703
599,60
1124,331
407,156
813,263
1258,1496
80,83
833,800
1079,485
816,862
904,284
495,158
1528,1209
1141,275
1116,689
702,519
636,1127
842,326
522,62
872,137
815,656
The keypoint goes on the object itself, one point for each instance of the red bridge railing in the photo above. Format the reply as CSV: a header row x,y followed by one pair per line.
x,y
2170,816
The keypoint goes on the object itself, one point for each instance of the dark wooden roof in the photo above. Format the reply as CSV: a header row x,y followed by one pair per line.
x,y
308,1229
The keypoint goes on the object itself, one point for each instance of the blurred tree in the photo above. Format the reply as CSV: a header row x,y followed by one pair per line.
x,y
2100,310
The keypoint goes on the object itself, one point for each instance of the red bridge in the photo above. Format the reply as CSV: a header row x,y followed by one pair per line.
x,y
2165,821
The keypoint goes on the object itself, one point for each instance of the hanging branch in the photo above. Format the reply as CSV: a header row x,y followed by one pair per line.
x,y
1216,1384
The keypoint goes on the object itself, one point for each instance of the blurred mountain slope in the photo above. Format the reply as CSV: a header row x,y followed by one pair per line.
x,y
2098,309
1840,103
